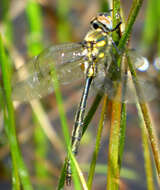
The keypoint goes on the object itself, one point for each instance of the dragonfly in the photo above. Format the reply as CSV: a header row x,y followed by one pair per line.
x,y
90,58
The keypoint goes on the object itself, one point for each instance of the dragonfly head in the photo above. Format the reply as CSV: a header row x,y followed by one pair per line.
x,y
103,22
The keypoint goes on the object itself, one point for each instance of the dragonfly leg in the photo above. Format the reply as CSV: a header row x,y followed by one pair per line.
x,y
116,27
78,126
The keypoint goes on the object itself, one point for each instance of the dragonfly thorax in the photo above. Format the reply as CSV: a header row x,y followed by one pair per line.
x,y
98,38
96,43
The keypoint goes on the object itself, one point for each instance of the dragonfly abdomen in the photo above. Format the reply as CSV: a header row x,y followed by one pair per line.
x,y
78,126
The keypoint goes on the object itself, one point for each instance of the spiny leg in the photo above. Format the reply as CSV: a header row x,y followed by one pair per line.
x,y
77,129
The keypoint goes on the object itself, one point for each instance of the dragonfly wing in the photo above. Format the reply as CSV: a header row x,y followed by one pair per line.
x,y
33,80
140,62
148,90
145,80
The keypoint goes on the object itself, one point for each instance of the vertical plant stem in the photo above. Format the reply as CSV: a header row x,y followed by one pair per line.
x,y
147,120
133,14
16,183
113,153
97,146
151,19
34,18
152,136
104,5
122,133
158,15
92,111
113,166
35,46
66,135
116,10
87,120
136,5
147,157
6,20
80,174
64,27
19,167
61,110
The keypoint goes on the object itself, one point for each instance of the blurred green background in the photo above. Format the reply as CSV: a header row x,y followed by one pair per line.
x,y
27,27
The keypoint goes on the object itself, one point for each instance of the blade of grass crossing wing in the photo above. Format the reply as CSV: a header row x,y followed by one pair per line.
x,y
64,127
34,42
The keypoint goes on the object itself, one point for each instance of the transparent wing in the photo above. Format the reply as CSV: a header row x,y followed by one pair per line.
x,y
146,82
33,80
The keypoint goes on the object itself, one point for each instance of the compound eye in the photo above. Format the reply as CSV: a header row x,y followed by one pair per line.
x,y
95,25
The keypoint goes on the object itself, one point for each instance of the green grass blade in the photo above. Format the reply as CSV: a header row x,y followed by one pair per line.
x,y
87,120
116,10
134,12
61,182
18,164
97,146
102,168
16,155
61,110
158,15
147,120
34,18
16,183
35,46
104,5
136,5
65,131
151,19
123,117
144,109
6,20
64,27
122,133
147,157
92,111
80,174
113,152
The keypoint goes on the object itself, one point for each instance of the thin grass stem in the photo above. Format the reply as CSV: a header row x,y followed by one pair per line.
x,y
97,145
